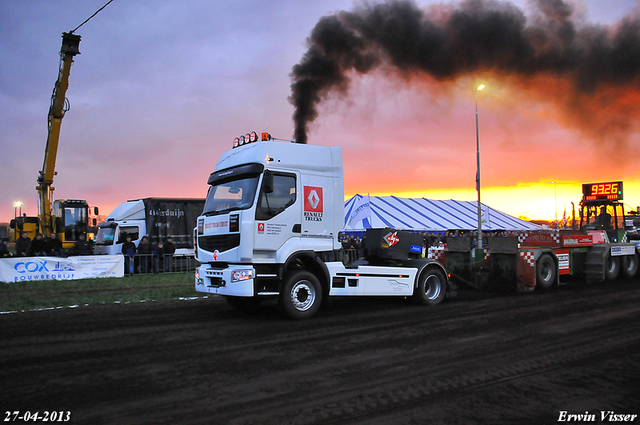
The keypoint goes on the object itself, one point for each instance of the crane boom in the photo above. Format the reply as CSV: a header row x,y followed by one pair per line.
x,y
57,109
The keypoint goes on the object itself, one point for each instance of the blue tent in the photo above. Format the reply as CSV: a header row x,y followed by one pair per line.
x,y
426,215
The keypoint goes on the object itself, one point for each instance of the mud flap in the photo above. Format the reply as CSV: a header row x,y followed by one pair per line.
x,y
526,271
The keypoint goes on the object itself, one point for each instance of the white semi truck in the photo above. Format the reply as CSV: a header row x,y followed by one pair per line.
x,y
270,228
156,218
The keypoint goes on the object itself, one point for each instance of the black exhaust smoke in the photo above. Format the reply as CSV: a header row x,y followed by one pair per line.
x,y
596,67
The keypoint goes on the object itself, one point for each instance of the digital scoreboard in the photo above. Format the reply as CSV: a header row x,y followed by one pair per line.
x,y
608,191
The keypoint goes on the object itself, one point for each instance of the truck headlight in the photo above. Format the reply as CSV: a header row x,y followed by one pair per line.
x,y
238,275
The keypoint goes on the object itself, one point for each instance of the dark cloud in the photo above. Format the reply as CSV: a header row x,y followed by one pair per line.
x,y
446,43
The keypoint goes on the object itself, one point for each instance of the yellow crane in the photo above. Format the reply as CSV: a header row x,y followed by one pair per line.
x,y
66,218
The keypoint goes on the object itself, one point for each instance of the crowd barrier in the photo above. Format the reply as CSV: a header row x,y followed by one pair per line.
x,y
151,264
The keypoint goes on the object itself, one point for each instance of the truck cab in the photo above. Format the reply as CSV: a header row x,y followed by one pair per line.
x,y
270,228
127,219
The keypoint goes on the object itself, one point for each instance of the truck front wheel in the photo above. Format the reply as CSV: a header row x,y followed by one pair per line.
x,y
301,295
431,288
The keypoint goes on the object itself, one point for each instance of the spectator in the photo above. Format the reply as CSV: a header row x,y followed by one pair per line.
x,y
54,246
169,250
345,242
158,257
4,248
144,254
81,246
23,245
38,245
129,252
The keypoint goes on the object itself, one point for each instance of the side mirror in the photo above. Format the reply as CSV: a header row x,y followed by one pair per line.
x,y
267,182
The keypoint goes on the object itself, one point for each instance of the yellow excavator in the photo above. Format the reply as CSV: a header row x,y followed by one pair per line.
x,y
68,219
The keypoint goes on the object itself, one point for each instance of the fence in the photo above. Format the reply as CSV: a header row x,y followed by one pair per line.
x,y
150,263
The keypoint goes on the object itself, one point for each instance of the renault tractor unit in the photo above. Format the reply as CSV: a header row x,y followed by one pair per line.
x,y
270,227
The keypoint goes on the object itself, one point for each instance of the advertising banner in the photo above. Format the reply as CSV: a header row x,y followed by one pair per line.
x,y
25,269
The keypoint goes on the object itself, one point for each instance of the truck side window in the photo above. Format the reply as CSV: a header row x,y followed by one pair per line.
x,y
283,196
132,231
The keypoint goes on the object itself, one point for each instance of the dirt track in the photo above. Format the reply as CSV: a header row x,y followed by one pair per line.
x,y
477,359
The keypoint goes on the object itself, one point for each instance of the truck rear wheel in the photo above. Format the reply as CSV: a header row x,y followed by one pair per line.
x,y
431,288
545,272
630,265
301,295
611,267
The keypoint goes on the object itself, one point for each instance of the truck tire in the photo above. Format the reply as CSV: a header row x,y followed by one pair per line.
x,y
630,265
545,272
611,267
301,295
431,289
243,303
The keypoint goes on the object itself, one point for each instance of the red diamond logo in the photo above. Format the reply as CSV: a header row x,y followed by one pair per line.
x,y
392,238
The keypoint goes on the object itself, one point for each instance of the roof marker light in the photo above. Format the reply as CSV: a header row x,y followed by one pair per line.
x,y
236,142
266,137
253,137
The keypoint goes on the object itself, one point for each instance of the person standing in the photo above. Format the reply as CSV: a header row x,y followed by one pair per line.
x,y
23,245
4,248
158,257
144,254
81,246
169,250
54,246
129,252
38,245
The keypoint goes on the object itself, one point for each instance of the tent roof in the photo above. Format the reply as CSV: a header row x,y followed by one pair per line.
x,y
431,215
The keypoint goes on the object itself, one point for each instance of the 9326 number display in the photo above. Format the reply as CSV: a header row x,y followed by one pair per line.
x,y
607,191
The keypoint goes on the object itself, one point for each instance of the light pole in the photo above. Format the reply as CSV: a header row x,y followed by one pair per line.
x,y
555,196
17,205
479,238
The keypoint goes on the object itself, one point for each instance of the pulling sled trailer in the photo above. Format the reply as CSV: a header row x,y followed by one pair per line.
x,y
596,250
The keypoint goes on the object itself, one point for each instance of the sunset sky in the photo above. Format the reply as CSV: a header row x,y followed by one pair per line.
x,y
162,87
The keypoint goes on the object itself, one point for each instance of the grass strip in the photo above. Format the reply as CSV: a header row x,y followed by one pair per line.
x,y
32,295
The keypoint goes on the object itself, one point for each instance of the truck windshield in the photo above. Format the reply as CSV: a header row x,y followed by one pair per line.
x,y
237,194
105,236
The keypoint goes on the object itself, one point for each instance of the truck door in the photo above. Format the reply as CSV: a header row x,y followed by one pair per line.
x,y
278,215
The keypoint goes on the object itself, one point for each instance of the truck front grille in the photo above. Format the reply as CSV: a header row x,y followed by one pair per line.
x,y
220,242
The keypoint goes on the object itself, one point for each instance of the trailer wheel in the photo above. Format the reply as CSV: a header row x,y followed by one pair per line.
x,y
431,288
611,267
301,296
545,272
243,303
630,265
